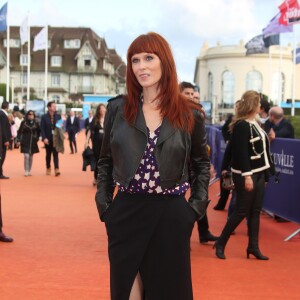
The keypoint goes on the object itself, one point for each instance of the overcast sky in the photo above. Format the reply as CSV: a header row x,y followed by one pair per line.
x,y
186,24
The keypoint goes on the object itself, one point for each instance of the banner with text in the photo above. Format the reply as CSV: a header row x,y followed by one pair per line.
x,y
283,198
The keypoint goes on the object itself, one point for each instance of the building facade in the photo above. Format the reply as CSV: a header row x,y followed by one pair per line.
x,y
224,73
79,62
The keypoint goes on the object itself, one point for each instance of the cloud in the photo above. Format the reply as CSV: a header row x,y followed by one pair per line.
x,y
217,19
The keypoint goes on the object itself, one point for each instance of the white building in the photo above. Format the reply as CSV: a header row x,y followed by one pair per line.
x,y
224,73
79,62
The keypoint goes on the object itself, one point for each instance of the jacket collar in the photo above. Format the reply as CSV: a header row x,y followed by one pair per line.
x,y
166,129
165,132
140,122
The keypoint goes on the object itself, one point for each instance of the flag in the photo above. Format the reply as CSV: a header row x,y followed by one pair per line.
x,y
272,40
3,17
40,40
274,27
259,44
256,45
290,12
24,31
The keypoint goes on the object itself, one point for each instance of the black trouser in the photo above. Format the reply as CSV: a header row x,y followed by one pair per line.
x,y
72,141
224,195
51,150
2,159
248,204
96,167
203,226
150,234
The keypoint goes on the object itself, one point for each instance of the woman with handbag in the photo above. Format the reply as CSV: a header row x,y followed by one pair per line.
x,y
28,137
250,163
154,149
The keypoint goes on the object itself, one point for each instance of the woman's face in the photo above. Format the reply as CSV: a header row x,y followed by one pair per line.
x,y
30,116
147,69
102,110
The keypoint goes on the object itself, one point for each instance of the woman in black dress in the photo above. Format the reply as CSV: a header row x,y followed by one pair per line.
x,y
95,133
28,137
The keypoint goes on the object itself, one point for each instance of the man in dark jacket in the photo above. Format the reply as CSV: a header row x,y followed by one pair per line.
x,y
88,121
3,237
6,135
278,125
48,123
72,128
205,236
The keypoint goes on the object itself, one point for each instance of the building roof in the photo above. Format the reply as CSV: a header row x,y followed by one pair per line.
x,y
57,36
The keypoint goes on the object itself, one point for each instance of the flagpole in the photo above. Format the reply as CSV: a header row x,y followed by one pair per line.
x,y
46,64
270,74
29,60
294,74
22,72
280,79
7,63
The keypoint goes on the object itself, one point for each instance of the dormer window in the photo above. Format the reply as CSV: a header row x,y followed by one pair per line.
x,y
56,61
87,61
13,43
24,60
72,44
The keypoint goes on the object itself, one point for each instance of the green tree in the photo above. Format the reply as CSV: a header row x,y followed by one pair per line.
x,y
3,91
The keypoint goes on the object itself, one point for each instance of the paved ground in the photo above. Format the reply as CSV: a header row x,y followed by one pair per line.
x,y
60,248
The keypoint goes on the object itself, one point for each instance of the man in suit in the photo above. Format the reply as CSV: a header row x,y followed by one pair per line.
x,y
278,125
72,128
6,135
205,236
88,121
48,122
3,237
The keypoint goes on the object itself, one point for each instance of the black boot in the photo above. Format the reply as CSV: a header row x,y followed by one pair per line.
x,y
208,238
219,250
256,252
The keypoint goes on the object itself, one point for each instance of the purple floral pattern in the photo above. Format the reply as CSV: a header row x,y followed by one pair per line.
x,y
147,178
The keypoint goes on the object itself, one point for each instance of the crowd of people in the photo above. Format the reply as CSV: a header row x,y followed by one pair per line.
x,y
151,145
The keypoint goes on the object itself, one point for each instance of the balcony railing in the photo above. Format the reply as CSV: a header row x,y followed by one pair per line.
x,y
90,69
85,89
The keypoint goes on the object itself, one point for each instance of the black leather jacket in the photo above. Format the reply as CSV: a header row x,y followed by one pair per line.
x,y
180,156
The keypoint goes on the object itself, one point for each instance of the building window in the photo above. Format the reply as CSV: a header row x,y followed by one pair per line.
x,y
278,84
24,79
55,80
55,98
56,61
86,81
227,89
254,81
87,61
72,44
24,60
13,43
210,87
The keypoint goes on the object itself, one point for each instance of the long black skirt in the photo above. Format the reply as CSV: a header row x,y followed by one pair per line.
x,y
150,234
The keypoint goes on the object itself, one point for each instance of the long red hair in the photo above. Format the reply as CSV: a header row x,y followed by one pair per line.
x,y
173,106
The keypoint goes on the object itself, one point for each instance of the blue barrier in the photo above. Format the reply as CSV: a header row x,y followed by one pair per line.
x,y
283,198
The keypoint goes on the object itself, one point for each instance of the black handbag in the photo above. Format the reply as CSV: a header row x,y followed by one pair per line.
x,y
227,182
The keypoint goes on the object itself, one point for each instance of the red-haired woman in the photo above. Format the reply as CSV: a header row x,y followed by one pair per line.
x,y
154,150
